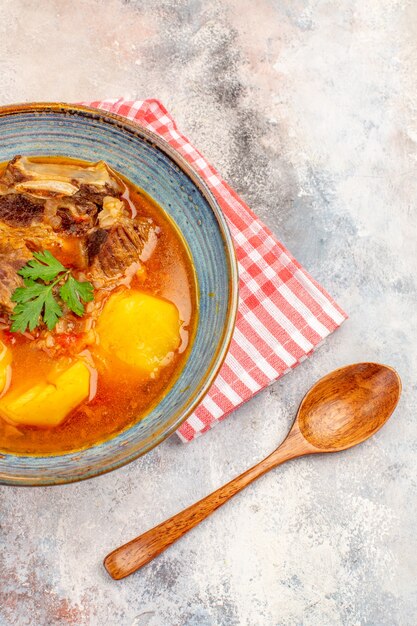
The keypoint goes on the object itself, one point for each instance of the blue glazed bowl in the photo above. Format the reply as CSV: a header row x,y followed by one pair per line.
x,y
149,162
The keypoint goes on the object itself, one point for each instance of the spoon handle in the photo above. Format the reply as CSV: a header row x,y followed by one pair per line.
x,y
133,555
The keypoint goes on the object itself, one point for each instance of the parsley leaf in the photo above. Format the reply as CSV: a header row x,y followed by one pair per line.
x,y
52,311
73,292
28,292
43,266
38,301
33,300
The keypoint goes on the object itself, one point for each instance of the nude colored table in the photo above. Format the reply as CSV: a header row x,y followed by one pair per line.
x,y
308,110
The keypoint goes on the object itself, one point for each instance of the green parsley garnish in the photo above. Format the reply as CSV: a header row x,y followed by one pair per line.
x,y
46,281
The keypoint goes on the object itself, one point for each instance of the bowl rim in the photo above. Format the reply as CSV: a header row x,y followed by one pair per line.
x,y
233,300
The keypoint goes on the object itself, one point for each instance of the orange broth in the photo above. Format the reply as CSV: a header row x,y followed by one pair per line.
x,y
120,400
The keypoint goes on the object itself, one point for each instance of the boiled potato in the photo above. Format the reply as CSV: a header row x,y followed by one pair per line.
x,y
5,360
48,402
138,330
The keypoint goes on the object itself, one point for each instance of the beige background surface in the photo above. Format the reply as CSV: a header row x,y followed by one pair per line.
x,y
308,108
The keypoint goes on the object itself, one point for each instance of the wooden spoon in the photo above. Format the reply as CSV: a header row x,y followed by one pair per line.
x,y
341,410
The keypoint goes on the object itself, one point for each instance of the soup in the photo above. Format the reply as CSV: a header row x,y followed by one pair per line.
x,y
97,304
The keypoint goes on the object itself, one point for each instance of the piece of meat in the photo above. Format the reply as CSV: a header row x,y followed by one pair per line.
x,y
13,256
18,209
97,177
90,193
70,216
35,237
12,174
70,225
66,197
118,241
113,251
119,249
95,240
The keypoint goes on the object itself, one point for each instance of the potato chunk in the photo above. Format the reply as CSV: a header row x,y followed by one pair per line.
x,y
48,402
139,330
5,370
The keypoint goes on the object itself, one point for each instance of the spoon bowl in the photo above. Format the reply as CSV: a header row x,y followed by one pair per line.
x,y
341,410
348,406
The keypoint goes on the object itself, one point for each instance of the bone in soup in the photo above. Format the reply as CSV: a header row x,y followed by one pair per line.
x,y
97,304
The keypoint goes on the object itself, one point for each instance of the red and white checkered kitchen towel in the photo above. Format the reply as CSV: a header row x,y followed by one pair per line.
x,y
283,313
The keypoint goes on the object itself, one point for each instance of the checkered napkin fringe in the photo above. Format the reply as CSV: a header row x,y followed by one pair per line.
x,y
283,312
